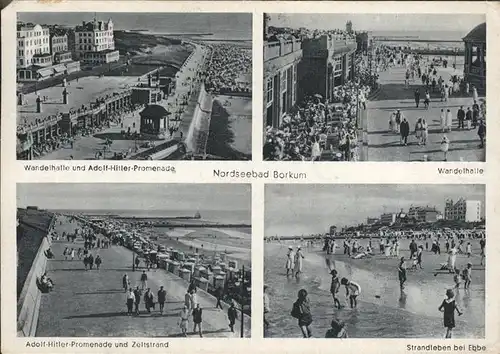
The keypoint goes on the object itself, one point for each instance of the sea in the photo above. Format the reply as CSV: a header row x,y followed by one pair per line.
x,y
213,26
221,216
383,311
425,35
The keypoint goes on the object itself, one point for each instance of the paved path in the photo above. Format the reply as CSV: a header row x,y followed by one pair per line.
x,y
385,146
85,148
92,303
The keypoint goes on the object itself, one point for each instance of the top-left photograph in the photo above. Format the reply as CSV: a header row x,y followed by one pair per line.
x,y
138,86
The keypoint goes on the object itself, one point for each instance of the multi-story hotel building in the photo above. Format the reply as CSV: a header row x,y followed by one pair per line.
x,y
95,43
423,214
33,46
463,210
328,62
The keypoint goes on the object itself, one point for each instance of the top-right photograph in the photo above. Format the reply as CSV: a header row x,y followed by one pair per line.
x,y
374,87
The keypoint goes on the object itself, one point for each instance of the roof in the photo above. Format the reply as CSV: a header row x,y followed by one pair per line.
x,y
478,34
154,110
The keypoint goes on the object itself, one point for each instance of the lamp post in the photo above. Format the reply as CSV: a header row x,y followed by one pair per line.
x,y
242,289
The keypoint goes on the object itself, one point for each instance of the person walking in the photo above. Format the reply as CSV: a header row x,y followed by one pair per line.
x,y
468,118
130,301
418,131
399,118
301,310
197,320
425,132
298,261
334,288
419,256
184,320
137,295
445,145
449,120
149,301
98,262
72,254
144,280
417,97
461,117
442,120
125,282
404,131
220,295
402,273
187,299
481,132
427,100
91,261
452,258
467,275
162,297
232,315
289,261
448,307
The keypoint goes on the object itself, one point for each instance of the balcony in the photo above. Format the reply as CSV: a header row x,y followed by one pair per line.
x,y
277,49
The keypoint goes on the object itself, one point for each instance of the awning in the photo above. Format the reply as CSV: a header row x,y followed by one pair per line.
x,y
59,69
45,72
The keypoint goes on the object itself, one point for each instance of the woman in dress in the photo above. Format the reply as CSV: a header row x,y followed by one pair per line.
x,y
425,132
445,145
298,261
452,258
448,307
442,119
418,131
449,120
289,261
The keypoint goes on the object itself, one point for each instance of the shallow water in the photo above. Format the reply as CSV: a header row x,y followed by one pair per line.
x,y
382,310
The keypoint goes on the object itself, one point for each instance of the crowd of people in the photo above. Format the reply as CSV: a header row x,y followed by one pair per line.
x,y
313,126
228,69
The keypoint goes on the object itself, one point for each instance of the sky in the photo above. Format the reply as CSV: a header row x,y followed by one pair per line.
x,y
297,209
170,22
139,196
381,22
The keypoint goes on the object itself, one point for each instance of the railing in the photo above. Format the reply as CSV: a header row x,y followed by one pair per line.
x,y
278,49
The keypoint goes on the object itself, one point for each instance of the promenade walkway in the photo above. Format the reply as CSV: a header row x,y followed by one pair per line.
x,y
385,146
85,148
92,303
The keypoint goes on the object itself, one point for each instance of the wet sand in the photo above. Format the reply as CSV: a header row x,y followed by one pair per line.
x,y
383,311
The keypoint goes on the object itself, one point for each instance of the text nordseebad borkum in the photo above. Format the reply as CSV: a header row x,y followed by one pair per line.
x,y
259,174
98,168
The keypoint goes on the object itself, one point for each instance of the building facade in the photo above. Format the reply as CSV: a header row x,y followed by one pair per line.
x,y
327,62
95,36
463,210
387,218
99,58
423,214
281,59
58,43
475,56
33,45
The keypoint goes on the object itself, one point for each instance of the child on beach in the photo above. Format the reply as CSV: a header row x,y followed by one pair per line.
x,y
419,256
337,330
353,290
402,273
448,307
468,249
467,275
302,311
289,260
456,279
334,288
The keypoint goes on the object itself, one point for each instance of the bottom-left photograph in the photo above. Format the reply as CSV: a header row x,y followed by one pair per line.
x,y
133,260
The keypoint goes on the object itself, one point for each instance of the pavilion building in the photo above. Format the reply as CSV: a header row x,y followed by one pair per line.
x,y
475,57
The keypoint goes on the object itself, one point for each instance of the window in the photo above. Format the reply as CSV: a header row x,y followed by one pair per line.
x,y
283,85
269,92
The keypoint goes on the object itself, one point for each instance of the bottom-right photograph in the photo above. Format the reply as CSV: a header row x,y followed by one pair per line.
x,y
374,261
